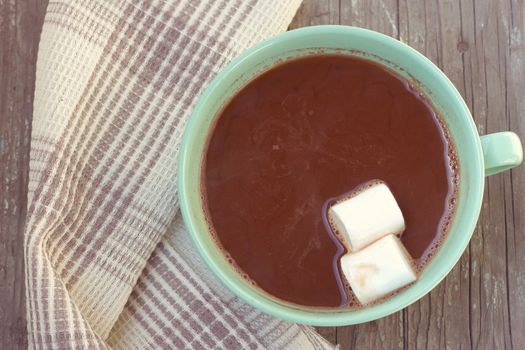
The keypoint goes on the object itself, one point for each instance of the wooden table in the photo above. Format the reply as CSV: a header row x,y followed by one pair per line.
x,y
480,46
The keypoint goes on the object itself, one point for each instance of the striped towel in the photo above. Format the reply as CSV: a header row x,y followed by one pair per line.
x,y
109,264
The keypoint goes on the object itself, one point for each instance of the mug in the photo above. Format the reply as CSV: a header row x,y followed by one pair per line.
x,y
478,157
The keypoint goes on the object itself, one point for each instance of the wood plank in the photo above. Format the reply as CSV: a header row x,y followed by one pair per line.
x,y
316,12
513,43
489,63
20,25
379,15
440,319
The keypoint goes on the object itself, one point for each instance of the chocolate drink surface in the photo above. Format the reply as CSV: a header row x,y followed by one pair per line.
x,y
302,133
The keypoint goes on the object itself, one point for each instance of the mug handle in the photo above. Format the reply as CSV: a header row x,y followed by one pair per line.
x,y
501,151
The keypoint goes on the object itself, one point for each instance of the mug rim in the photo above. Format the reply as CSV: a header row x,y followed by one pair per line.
x,y
311,316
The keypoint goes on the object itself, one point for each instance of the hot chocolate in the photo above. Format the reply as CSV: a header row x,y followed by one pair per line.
x,y
302,133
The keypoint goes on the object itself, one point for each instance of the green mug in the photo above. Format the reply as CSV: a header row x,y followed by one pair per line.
x,y
478,157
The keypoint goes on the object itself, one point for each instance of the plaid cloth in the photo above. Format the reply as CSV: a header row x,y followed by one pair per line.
x,y
108,262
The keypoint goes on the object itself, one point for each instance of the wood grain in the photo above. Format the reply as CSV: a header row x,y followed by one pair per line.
x,y
20,25
477,43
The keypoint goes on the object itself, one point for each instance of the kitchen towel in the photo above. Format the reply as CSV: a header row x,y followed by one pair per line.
x,y
108,261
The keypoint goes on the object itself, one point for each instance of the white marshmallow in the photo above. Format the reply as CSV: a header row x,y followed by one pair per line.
x,y
367,216
379,269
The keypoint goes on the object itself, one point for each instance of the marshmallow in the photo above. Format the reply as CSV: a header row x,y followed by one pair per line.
x,y
367,216
378,270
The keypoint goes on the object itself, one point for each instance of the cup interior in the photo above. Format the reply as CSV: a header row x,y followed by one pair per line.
x,y
389,52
